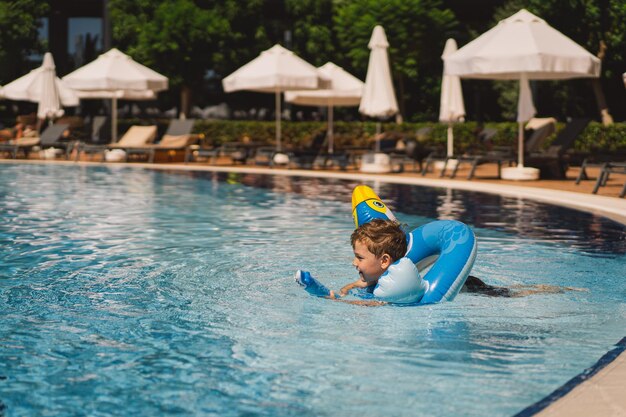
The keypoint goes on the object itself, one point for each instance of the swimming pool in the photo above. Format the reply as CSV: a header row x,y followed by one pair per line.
x,y
131,292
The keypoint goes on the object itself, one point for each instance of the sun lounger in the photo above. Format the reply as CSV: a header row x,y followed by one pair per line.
x,y
136,136
539,130
607,169
177,138
553,162
24,144
98,137
238,152
56,137
305,156
598,160
209,151
415,148
49,137
264,155
474,158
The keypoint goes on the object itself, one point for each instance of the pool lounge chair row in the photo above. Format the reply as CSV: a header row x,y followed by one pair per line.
x,y
53,136
552,162
312,154
138,142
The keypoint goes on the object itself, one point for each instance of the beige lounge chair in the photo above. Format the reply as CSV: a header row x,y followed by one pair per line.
x,y
48,138
135,137
178,137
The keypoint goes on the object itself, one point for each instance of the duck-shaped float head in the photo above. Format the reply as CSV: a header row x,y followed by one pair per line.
x,y
366,206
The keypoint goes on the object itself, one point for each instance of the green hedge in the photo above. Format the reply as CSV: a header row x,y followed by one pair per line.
x,y
596,138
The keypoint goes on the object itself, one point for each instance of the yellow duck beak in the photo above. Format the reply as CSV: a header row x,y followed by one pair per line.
x,y
366,206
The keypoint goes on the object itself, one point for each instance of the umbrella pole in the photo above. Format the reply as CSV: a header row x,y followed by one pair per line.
x,y
378,129
520,145
114,119
331,134
278,120
450,139
525,111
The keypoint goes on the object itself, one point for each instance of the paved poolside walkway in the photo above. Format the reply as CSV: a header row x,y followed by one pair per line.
x,y
601,395
597,393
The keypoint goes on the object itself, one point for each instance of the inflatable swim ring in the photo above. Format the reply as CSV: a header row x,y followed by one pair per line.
x,y
445,249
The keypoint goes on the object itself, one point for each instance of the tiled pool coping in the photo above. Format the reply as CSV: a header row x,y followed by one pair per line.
x,y
597,391
602,395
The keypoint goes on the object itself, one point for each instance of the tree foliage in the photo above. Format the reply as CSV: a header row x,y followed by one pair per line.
x,y
591,24
313,37
196,43
19,37
179,39
416,30
184,39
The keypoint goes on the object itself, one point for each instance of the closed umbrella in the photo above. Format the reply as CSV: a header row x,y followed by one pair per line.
x,y
42,86
115,75
338,88
379,99
452,108
274,71
522,47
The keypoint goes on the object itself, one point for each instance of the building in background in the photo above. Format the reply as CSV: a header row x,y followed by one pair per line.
x,y
77,32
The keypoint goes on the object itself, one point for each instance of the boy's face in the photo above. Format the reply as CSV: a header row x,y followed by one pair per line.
x,y
369,266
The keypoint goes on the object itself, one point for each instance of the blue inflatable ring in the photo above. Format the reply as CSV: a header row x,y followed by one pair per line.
x,y
448,247
445,249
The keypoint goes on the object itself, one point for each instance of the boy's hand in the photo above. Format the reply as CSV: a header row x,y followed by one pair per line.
x,y
361,283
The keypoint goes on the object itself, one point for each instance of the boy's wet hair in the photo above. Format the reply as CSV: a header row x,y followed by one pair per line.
x,y
381,236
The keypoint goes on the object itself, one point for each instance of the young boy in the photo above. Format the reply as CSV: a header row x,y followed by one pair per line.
x,y
376,245
380,245
379,248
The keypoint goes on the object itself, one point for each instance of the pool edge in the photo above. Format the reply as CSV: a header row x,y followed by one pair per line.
x,y
573,398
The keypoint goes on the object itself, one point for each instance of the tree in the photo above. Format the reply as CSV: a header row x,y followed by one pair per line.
x,y
417,31
19,37
178,38
599,27
309,22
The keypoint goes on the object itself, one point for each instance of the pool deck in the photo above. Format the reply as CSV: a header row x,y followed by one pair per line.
x,y
597,391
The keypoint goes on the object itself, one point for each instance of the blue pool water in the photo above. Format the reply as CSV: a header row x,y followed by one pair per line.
x,y
131,292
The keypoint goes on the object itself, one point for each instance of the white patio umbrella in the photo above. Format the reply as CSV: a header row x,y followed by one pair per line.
x,y
379,99
115,75
451,107
274,71
522,47
42,86
338,88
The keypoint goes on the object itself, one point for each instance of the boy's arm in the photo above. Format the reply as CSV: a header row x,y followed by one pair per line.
x,y
366,303
359,283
